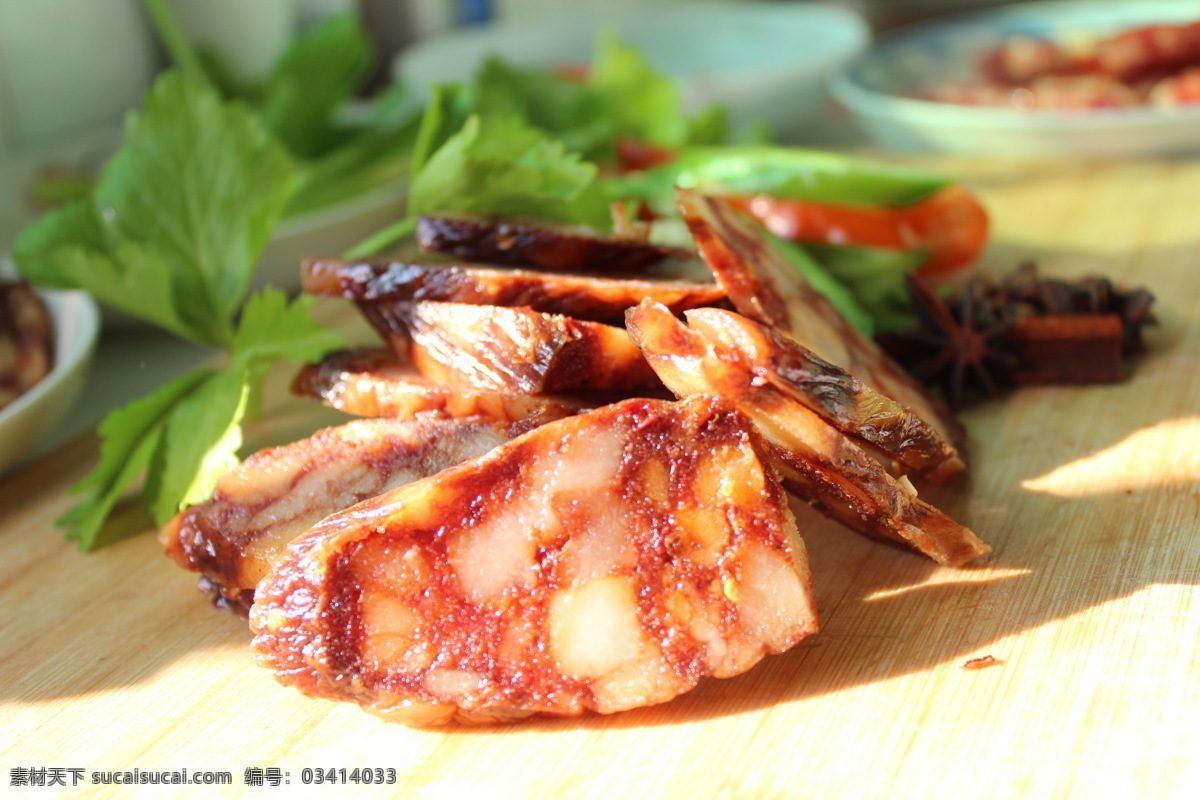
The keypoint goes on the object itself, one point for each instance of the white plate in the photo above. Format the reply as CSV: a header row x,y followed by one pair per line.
x,y
762,61
34,415
873,86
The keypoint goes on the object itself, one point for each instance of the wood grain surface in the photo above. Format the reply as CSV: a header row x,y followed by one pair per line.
x,y
1089,604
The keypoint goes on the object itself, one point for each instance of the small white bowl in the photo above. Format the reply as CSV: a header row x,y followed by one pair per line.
x,y
33,416
874,87
762,61
328,231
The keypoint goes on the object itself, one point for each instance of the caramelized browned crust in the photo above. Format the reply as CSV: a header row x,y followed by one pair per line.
x,y
817,461
765,356
510,349
539,244
26,340
372,382
590,297
276,494
603,562
763,285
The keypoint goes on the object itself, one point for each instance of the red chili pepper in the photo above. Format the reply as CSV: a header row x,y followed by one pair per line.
x,y
636,154
950,224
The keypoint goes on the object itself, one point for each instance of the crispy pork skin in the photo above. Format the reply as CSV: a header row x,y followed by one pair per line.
x,y
538,244
510,349
763,285
372,382
276,494
603,562
818,462
589,297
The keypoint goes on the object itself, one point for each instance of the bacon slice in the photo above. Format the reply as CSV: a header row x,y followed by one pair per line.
x,y
539,244
510,349
602,562
589,297
763,285
277,494
817,461
372,382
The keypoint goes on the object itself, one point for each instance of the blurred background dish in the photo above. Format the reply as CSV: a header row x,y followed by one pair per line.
x,y
28,420
878,87
763,61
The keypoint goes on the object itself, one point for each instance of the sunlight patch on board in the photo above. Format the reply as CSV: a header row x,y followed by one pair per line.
x,y
1164,454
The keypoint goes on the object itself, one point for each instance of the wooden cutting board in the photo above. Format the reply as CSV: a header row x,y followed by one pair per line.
x,y
1089,605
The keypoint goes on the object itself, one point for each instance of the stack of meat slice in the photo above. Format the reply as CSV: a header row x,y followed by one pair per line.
x,y
527,526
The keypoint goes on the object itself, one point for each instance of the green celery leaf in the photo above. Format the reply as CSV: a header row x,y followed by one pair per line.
x,y
841,297
446,112
130,435
573,112
203,431
507,167
199,443
222,184
875,277
377,154
642,102
272,327
191,197
314,77
623,95
710,127
73,249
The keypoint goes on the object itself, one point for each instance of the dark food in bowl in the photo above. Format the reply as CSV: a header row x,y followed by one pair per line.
x,y
26,340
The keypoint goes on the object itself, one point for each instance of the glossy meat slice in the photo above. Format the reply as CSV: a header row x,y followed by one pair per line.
x,y
602,562
589,297
817,461
763,285
538,244
277,494
510,349
372,382
760,354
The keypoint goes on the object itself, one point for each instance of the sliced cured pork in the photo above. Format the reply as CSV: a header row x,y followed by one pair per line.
x,y
276,494
762,284
603,562
539,244
817,461
588,297
372,382
510,349
755,353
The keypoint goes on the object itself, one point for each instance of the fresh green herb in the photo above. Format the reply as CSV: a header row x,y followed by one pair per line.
x,y
313,79
174,227
620,95
171,234
782,172
841,296
505,166
302,102
874,277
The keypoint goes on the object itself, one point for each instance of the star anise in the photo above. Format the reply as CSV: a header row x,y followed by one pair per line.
x,y
957,345
1025,330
